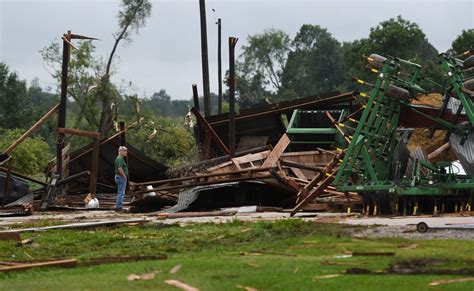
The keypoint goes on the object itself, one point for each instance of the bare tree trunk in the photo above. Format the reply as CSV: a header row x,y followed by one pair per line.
x,y
107,115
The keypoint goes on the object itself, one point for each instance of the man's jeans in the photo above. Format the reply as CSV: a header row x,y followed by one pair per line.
x,y
121,185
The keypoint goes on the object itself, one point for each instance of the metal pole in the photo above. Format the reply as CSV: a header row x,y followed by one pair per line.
x,y
232,43
205,59
219,67
196,96
62,103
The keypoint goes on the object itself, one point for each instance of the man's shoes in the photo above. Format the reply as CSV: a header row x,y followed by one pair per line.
x,y
119,210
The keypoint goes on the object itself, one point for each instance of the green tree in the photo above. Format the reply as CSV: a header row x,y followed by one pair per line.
x,y
89,82
31,156
315,65
83,70
464,41
131,17
395,37
16,108
261,65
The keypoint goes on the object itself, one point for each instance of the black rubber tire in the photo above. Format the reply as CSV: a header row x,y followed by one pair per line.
x,y
422,227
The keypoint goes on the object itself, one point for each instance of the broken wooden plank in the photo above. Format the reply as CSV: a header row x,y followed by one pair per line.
x,y
299,174
203,122
180,285
6,153
77,225
277,151
195,214
60,263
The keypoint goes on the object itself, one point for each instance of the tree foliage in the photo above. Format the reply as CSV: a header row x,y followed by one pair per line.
x,y
16,107
261,65
315,65
395,37
31,156
464,41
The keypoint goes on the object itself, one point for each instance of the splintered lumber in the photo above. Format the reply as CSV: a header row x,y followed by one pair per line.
x,y
180,285
60,263
208,128
300,166
299,174
277,151
28,133
77,225
202,176
322,180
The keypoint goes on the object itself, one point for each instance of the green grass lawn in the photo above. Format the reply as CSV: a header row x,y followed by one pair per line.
x,y
224,256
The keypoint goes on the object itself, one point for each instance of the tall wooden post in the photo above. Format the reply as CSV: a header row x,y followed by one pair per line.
x,y
205,59
232,43
196,96
219,67
62,103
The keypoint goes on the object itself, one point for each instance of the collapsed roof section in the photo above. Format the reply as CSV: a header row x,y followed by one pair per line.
x,y
142,168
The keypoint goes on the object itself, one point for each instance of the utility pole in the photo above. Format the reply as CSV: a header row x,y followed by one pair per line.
x,y
232,43
205,59
219,68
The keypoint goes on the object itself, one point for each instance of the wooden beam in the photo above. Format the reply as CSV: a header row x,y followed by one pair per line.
x,y
83,133
199,176
277,151
324,179
30,131
61,263
439,151
201,120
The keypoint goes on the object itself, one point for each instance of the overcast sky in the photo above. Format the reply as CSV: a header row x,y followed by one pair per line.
x,y
166,53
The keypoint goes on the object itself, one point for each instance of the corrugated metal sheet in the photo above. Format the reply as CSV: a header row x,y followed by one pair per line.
x,y
465,152
453,105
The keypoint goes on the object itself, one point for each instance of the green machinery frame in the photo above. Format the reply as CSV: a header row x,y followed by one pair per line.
x,y
367,159
296,129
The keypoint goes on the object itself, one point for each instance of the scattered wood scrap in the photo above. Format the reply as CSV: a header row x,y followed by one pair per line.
x,y
181,285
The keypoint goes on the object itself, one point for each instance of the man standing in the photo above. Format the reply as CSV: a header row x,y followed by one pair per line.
x,y
121,174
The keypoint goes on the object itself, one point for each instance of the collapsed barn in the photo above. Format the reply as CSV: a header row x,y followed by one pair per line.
x,y
330,152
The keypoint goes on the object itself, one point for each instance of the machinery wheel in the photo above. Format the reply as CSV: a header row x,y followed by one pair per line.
x,y
422,227
469,62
